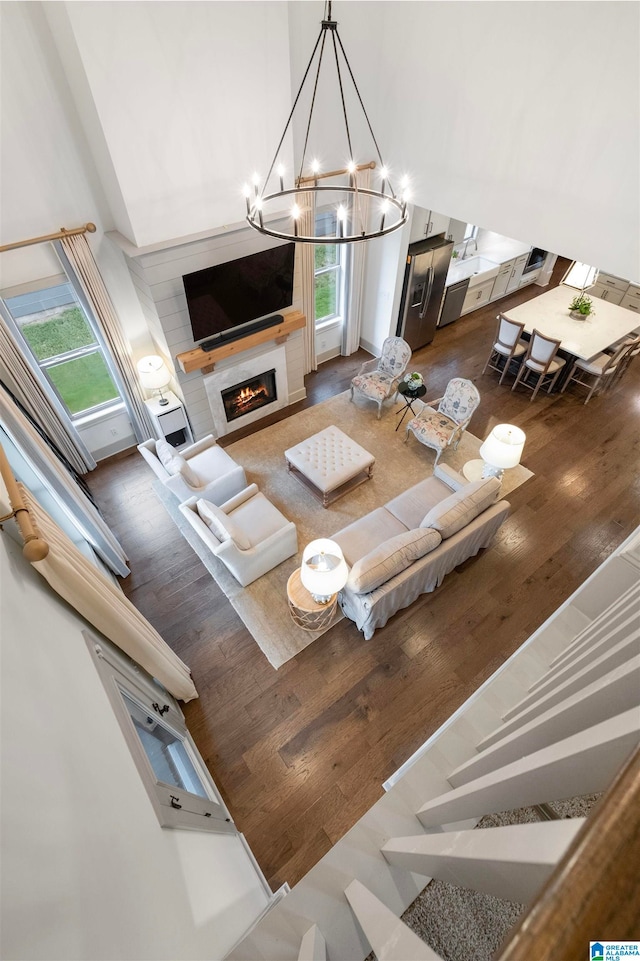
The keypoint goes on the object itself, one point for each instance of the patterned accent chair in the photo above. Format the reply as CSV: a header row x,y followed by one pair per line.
x,y
379,378
443,427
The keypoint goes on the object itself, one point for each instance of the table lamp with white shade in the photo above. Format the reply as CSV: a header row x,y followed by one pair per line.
x,y
502,450
324,571
154,375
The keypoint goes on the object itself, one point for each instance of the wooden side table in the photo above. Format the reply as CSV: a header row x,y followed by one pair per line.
x,y
305,612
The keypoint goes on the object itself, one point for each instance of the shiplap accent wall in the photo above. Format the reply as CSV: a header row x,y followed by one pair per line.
x,y
157,277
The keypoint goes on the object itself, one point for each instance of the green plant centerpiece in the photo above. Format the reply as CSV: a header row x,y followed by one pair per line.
x,y
581,307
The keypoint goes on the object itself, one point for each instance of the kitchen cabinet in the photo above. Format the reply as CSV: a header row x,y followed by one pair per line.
x,y
478,296
427,223
501,281
516,272
530,277
610,288
631,300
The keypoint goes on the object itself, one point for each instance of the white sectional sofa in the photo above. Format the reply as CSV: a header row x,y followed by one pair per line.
x,y
405,549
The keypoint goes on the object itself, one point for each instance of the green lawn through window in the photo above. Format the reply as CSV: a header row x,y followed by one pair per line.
x,y
82,382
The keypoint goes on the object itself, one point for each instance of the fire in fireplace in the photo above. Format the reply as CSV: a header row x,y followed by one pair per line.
x,y
251,394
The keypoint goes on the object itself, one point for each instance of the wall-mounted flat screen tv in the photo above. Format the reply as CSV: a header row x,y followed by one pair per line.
x,y
232,294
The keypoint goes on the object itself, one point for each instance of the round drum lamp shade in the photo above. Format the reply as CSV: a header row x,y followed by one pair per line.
x,y
324,571
503,447
154,373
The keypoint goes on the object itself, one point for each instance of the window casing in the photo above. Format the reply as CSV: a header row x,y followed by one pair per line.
x,y
59,333
329,272
179,786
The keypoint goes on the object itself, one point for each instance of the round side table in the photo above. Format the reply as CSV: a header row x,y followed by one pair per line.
x,y
305,612
472,470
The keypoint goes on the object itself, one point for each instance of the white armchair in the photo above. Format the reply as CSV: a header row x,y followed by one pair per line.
x,y
247,533
201,470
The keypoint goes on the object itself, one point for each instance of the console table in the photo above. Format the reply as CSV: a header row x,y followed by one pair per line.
x,y
205,360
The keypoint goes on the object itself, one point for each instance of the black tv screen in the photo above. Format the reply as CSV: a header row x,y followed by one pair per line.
x,y
229,295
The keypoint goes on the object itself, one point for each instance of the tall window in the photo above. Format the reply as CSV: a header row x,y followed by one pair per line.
x,y
329,271
63,341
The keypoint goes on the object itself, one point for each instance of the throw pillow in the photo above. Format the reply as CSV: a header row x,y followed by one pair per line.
x,y
390,558
223,526
169,458
459,509
188,475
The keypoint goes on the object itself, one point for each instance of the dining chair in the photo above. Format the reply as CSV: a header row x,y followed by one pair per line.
x,y
540,364
598,373
632,349
379,378
507,347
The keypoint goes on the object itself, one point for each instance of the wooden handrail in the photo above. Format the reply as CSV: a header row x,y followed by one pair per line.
x,y
594,892
35,548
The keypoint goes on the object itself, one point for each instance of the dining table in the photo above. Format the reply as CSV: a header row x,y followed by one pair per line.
x,y
549,315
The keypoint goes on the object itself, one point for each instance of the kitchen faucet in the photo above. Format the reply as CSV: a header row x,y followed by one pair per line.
x,y
466,245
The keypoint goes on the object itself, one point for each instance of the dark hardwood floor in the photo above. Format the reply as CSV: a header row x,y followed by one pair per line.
x,y
300,753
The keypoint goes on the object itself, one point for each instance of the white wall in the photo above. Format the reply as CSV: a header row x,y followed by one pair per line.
x,y
522,117
188,97
87,872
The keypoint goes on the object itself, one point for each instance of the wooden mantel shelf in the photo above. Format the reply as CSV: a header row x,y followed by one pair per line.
x,y
199,359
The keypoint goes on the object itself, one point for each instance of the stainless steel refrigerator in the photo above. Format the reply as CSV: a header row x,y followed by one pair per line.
x,y
425,275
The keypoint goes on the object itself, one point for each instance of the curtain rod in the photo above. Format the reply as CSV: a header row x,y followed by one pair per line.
x,y
63,232
332,173
34,548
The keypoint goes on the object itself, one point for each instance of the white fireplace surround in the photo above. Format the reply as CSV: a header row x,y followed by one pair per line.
x,y
221,379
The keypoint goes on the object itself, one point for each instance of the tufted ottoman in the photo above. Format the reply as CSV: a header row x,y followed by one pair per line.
x,y
330,464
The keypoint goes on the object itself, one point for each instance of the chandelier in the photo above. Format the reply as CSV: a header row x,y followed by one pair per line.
x,y
361,213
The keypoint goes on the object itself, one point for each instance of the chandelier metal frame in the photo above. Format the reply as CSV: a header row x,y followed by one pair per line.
x,y
351,217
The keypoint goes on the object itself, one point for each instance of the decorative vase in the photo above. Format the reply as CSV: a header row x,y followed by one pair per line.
x,y
577,315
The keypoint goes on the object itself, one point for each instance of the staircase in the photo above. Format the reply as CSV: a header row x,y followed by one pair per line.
x,y
559,719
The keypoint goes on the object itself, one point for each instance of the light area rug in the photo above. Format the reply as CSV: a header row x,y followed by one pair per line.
x,y
263,605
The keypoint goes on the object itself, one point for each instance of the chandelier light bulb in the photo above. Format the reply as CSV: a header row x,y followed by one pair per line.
x,y
295,213
256,181
341,214
404,183
246,193
258,205
281,172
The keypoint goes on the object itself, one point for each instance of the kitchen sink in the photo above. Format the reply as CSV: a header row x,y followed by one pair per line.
x,y
477,269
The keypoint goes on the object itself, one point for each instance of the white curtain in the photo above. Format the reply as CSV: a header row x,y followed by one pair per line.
x,y
75,254
357,253
60,483
103,605
306,254
29,386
